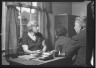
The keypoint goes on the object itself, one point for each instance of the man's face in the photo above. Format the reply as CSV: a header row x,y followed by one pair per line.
x,y
77,26
35,29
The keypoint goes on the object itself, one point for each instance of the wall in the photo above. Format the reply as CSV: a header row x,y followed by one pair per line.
x,y
79,8
61,7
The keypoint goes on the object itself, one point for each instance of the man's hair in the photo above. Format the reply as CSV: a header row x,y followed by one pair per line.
x,y
82,20
32,23
61,31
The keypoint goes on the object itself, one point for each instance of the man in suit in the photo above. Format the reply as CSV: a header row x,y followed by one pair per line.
x,y
61,39
76,47
78,43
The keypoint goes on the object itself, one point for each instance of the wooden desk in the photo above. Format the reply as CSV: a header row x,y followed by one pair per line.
x,y
56,61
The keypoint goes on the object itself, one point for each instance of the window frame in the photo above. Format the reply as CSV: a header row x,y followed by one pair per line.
x,y
38,11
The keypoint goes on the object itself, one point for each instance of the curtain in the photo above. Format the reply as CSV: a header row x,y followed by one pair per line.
x,y
46,23
11,41
48,6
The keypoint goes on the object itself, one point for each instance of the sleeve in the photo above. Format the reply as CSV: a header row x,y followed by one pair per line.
x,y
24,39
39,35
39,41
58,47
74,45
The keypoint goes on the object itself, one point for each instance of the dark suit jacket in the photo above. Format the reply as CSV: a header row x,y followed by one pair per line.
x,y
78,46
61,43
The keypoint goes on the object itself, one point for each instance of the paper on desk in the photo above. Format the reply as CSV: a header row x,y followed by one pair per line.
x,y
28,57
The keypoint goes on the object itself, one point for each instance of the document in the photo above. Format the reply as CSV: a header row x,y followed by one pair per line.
x,y
28,57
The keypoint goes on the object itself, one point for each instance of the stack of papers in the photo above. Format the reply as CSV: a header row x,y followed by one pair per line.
x,y
34,56
27,57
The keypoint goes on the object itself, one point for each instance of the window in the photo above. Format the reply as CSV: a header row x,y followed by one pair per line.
x,y
27,14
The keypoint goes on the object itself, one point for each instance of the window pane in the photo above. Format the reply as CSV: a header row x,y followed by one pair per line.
x,y
33,10
27,14
25,9
34,3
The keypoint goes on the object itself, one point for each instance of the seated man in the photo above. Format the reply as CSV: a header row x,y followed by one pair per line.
x,y
77,44
62,39
33,41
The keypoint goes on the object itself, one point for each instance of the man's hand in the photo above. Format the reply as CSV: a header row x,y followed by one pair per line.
x,y
39,51
62,54
53,51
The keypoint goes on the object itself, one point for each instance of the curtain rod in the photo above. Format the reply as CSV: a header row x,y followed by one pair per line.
x,y
26,6
21,5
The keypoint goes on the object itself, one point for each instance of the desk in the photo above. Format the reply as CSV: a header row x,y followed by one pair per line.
x,y
20,61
